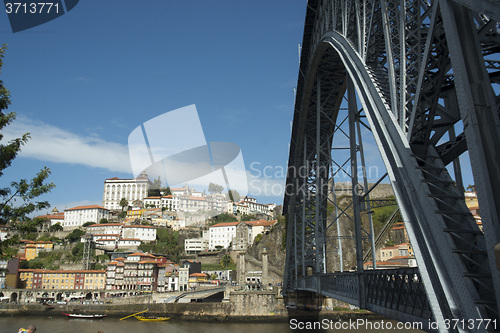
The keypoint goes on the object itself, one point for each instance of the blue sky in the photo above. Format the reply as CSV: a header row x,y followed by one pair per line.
x,y
82,82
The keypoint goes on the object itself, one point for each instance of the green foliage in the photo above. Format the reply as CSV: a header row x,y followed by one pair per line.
x,y
390,243
75,235
222,218
103,220
123,203
77,250
86,224
381,215
122,215
23,192
257,239
36,263
167,242
215,188
154,192
166,191
56,227
103,258
19,199
7,252
30,226
99,266
247,217
226,262
31,236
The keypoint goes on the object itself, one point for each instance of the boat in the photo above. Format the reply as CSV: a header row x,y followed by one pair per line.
x,y
151,318
84,316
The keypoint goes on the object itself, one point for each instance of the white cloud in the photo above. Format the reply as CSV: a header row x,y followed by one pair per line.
x,y
53,144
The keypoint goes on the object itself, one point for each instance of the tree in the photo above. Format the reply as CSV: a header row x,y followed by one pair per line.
x,y
56,227
226,261
86,224
166,191
154,192
18,200
223,217
123,203
103,220
247,217
215,188
75,235
234,196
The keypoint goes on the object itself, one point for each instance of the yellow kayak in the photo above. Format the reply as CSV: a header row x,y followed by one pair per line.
x,y
152,318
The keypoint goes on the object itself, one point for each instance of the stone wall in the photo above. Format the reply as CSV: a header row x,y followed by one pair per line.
x,y
257,303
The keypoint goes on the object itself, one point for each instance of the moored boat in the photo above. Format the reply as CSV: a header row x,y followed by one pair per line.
x,y
152,318
84,316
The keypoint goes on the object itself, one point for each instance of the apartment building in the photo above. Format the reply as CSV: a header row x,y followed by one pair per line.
x,y
138,271
62,279
77,216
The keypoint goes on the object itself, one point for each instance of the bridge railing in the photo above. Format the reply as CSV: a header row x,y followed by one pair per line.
x,y
388,291
399,290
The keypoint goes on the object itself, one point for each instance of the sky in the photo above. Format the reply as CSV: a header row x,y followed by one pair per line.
x,y
82,83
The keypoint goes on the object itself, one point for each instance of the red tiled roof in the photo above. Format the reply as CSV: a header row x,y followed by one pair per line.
x,y
225,224
138,226
105,225
262,223
57,216
87,207
197,198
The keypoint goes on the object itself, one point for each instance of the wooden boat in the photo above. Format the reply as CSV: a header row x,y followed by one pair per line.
x,y
84,316
152,318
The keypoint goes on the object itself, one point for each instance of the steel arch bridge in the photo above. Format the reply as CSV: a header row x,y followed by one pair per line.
x,y
420,77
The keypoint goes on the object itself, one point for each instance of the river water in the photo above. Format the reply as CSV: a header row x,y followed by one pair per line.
x,y
131,325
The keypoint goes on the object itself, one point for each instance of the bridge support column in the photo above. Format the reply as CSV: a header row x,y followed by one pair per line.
x,y
304,306
353,109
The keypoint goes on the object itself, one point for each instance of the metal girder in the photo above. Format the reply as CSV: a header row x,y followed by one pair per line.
x,y
421,70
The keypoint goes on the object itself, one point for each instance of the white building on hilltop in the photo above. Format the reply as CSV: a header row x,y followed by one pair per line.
x,y
131,189
225,234
77,216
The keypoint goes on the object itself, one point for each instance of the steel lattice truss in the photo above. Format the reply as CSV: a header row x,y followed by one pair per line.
x,y
424,72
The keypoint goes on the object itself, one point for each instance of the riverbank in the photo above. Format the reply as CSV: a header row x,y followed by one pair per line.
x,y
202,312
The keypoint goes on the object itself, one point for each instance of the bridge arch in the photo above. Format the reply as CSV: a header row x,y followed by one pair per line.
x,y
455,260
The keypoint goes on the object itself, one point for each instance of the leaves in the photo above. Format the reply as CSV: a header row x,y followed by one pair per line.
x,y
17,201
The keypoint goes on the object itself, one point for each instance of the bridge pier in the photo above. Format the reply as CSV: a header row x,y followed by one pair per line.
x,y
304,306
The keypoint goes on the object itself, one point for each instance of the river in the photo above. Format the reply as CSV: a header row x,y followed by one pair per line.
x,y
114,325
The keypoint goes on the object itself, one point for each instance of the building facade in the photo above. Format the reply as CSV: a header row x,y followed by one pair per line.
x,y
62,279
77,216
116,189
195,245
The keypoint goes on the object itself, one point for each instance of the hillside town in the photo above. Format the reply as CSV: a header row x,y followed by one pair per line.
x,y
115,253
129,221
